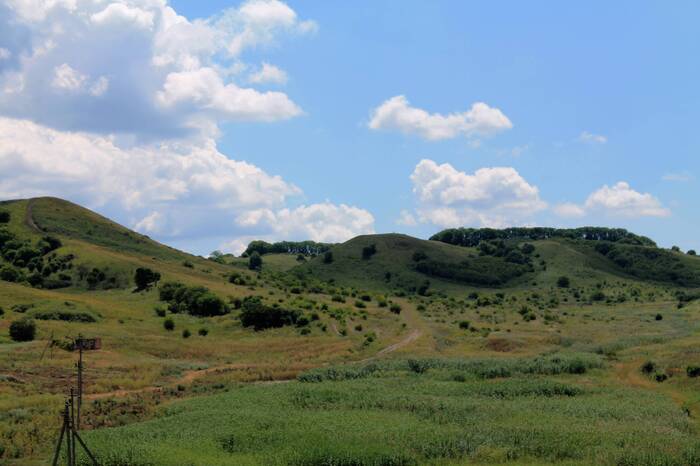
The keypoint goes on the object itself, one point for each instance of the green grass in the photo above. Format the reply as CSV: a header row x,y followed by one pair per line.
x,y
406,418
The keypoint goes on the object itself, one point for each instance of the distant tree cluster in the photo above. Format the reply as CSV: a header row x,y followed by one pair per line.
x,y
369,251
4,216
471,237
194,300
34,263
309,248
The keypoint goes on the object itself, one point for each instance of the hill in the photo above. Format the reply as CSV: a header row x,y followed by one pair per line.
x,y
549,332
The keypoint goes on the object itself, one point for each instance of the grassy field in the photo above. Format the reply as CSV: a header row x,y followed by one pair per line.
x,y
389,376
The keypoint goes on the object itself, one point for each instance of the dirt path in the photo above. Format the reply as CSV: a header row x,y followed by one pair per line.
x,y
29,217
190,376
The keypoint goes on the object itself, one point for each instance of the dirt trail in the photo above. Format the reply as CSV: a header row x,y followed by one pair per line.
x,y
29,217
190,376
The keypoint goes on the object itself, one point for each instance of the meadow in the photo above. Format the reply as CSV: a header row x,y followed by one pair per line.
x,y
383,363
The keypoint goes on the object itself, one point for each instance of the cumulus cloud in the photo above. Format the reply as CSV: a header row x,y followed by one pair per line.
x,y
157,74
325,222
569,210
406,218
494,197
268,74
617,200
621,199
591,138
398,115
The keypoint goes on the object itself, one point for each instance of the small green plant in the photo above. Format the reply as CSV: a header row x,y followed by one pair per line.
x,y
658,317
169,324
464,325
693,371
203,332
563,282
395,308
186,333
648,367
23,330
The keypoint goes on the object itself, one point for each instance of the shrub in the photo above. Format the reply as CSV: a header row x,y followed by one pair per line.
x,y
23,330
358,327
186,333
65,315
196,300
160,312
305,331
145,277
598,296
464,325
2,311
693,371
395,308
419,256
648,367
360,304
418,366
10,274
303,321
660,377
563,282
187,264
327,257
4,216
169,324
658,317
203,332
691,252
369,251
254,313
255,261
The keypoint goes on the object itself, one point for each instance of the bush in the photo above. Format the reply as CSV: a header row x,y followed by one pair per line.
x,y
169,324
254,313
255,261
369,251
648,367
10,274
195,300
395,308
327,257
186,333
23,330
203,332
188,264
160,312
598,296
658,317
4,216
563,282
693,371
144,278
464,325
65,316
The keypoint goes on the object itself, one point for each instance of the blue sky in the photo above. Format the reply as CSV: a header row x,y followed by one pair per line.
x,y
598,106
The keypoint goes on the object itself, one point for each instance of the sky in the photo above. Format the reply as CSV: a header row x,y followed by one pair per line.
x,y
211,123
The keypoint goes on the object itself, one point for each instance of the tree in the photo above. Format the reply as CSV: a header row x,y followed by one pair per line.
x,y
144,278
691,252
4,216
327,257
563,282
675,249
23,330
255,261
217,256
10,274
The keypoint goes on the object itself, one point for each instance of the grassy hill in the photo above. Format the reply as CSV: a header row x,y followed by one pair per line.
x,y
418,351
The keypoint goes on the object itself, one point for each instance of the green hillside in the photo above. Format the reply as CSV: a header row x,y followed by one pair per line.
x,y
399,344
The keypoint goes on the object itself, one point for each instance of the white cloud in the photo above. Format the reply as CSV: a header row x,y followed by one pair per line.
x,y
268,74
151,223
67,78
325,222
205,89
495,197
117,14
591,138
397,114
137,55
621,199
406,218
569,209
4,54
681,177
100,86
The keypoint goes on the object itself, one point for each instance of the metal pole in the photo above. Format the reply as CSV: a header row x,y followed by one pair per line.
x,y
80,379
69,446
58,445
85,449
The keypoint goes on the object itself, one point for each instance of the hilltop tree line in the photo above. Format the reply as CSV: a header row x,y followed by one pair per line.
x,y
471,237
309,248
